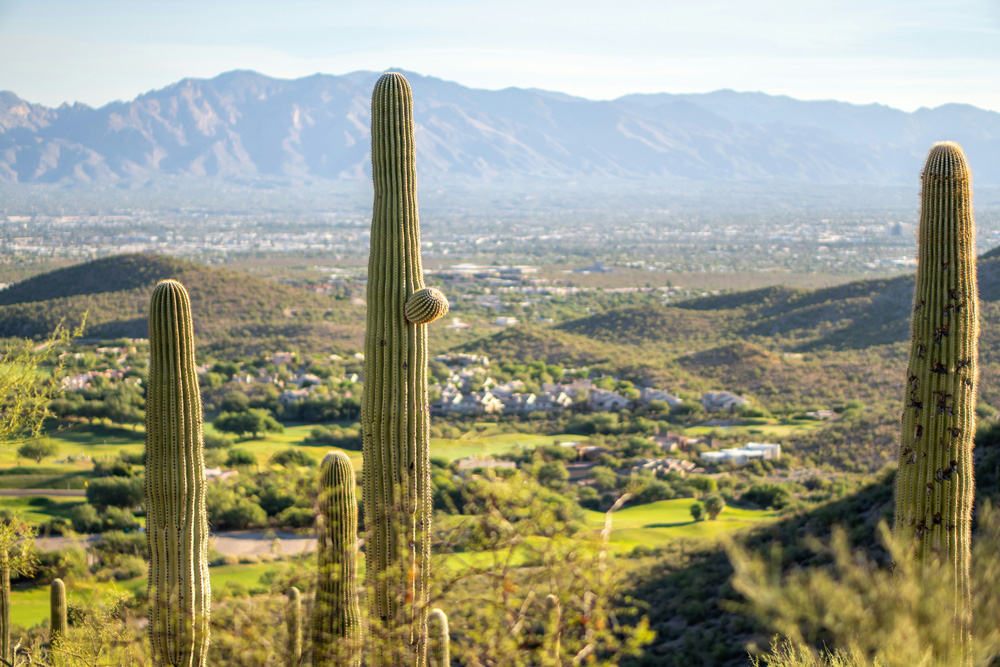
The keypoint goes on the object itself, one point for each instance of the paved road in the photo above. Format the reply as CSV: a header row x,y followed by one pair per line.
x,y
235,543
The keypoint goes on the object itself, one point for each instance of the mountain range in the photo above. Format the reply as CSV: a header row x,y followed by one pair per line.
x,y
245,127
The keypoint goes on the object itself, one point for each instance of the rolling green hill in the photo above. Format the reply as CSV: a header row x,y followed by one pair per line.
x,y
232,310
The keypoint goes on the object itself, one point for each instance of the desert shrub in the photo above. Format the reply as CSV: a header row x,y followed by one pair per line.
x,y
125,492
767,496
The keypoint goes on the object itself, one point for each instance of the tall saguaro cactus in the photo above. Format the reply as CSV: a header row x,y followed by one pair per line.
x,y
336,624
934,484
395,411
176,521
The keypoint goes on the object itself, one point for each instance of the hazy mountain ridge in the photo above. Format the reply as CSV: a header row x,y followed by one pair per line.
x,y
247,127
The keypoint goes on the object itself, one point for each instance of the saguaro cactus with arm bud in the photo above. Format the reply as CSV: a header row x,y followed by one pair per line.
x,y
336,624
176,521
934,484
395,424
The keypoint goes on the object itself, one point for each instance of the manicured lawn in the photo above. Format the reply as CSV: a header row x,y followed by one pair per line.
x,y
29,607
491,445
96,440
36,509
772,428
666,520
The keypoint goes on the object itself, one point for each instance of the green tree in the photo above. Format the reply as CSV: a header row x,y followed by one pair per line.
x,y
254,422
25,394
235,401
697,512
241,457
293,457
36,450
552,473
714,504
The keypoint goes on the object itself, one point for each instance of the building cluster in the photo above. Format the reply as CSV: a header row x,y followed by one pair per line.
x,y
81,381
754,451
471,390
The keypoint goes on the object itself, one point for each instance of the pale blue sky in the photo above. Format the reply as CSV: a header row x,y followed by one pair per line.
x,y
905,53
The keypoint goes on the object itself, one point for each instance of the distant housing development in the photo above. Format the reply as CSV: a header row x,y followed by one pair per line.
x,y
760,451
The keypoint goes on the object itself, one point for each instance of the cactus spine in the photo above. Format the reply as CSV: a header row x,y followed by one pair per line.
x,y
57,611
934,484
294,621
439,639
336,621
176,521
395,406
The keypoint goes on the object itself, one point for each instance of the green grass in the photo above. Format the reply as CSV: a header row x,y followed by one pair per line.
x,y
770,428
491,445
36,509
654,524
97,440
30,606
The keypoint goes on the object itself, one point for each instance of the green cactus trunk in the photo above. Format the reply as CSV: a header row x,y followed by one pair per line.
x,y
395,424
294,622
57,611
6,650
439,639
934,484
336,620
176,521
553,631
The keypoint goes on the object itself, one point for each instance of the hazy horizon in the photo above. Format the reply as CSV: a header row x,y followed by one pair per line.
x,y
848,50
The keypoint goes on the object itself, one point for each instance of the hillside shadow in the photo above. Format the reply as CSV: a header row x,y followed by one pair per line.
x,y
685,591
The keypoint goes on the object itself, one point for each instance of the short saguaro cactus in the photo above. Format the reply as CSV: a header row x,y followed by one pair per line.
x,y
336,620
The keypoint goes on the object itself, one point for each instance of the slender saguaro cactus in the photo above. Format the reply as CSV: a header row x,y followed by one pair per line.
x,y
395,424
57,611
934,484
6,650
553,630
176,521
336,620
294,622
439,639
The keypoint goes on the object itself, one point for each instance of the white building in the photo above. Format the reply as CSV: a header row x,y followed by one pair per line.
x,y
722,401
603,400
649,394
759,451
